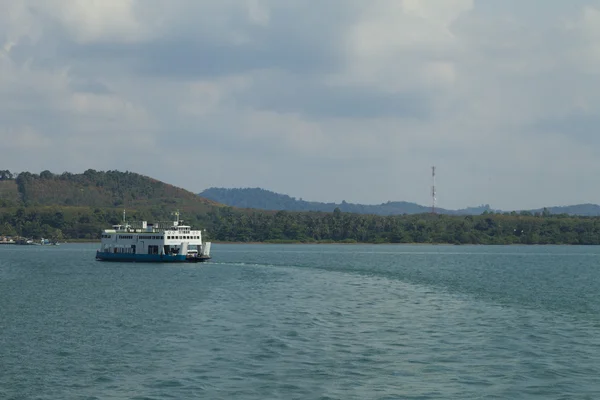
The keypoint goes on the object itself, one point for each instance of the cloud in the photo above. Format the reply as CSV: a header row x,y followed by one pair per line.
x,y
337,100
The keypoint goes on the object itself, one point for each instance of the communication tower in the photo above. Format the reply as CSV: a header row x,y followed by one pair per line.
x,y
433,193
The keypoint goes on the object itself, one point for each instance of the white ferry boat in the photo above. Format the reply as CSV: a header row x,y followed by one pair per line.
x,y
153,242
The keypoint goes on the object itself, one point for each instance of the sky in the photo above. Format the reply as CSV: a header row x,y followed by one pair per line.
x,y
325,100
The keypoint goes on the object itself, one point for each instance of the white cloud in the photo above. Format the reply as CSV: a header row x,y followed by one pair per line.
x,y
311,98
393,40
89,21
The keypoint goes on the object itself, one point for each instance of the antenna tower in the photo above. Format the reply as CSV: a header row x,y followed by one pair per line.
x,y
433,193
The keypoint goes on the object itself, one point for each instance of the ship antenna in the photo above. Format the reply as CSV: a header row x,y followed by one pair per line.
x,y
123,216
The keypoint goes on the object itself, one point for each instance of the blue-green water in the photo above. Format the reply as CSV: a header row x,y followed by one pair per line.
x,y
303,322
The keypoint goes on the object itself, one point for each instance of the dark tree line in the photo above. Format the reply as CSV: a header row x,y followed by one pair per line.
x,y
232,225
6,175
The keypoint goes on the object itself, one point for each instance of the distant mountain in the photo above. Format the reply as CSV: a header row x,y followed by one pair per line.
x,y
266,200
589,210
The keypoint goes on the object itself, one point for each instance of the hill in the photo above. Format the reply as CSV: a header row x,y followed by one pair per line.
x,y
96,189
589,210
80,205
266,200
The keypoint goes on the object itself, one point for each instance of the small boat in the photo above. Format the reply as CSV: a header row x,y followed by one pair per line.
x,y
153,242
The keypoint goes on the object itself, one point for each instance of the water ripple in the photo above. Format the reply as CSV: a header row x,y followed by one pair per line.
x,y
314,322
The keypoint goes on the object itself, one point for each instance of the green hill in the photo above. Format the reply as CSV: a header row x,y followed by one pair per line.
x,y
80,205
101,189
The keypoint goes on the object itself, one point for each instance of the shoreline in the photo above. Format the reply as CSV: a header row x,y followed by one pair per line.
x,y
91,241
408,244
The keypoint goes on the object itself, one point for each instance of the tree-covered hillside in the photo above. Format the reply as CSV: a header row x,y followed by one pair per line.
x,y
78,206
94,189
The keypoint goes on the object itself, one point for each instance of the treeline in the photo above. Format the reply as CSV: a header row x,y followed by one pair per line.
x,y
231,225
228,225
6,175
64,223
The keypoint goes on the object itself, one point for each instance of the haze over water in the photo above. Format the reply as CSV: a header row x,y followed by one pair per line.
x,y
303,322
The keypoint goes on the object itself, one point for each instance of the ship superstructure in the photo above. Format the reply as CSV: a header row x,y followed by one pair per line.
x,y
153,242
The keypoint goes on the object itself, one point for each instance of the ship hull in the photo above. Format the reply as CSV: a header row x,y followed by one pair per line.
x,y
147,258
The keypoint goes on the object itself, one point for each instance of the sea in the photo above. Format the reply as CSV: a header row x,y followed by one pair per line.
x,y
264,321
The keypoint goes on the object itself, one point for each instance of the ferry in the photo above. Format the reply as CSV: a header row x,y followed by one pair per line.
x,y
153,242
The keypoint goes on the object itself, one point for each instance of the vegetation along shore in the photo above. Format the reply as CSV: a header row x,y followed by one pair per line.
x,y
75,207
